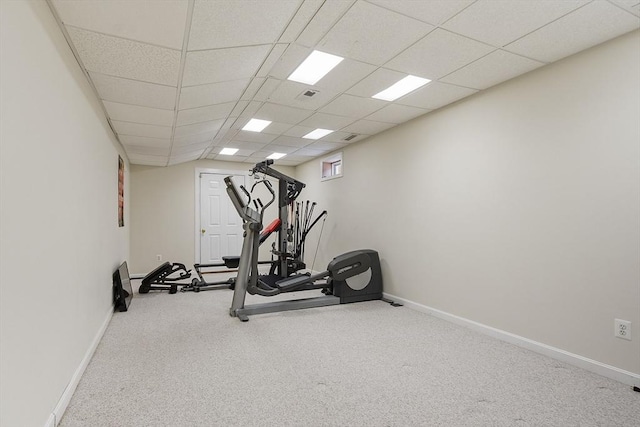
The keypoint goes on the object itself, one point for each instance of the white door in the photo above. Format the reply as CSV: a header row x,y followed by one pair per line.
x,y
220,225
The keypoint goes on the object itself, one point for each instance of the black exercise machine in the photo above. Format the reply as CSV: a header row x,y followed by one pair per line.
x,y
289,251
167,277
351,277
295,225
163,278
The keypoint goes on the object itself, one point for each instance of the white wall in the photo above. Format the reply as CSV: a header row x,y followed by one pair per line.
x,y
516,208
60,238
163,212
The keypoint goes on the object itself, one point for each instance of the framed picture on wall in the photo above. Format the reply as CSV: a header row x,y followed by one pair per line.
x,y
120,192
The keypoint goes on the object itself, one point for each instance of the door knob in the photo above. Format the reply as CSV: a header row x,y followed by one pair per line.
x,y
203,231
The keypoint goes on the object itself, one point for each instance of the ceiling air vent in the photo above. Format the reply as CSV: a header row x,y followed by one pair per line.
x,y
350,137
307,94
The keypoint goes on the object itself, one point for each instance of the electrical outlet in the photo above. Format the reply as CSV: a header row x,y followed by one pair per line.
x,y
622,329
159,257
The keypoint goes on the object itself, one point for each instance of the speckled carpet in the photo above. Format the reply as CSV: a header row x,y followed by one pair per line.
x,y
180,360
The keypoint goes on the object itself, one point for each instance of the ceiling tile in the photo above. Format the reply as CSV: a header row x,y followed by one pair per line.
x,y
376,82
435,95
147,150
581,29
203,114
446,52
227,134
282,114
181,149
138,114
194,139
162,25
396,113
326,121
263,154
291,94
211,66
371,34
340,137
344,75
125,58
247,136
214,93
632,6
500,22
322,21
144,141
273,57
235,159
276,128
291,160
240,107
244,145
266,89
310,152
239,153
134,92
287,162
298,131
291,141
492,69
247,112
368,127
228,23
137,129
353,106
176,160
433,11
280,148
197,128
301,20
139,159
187,152
289,61
326,145
254,160
253,88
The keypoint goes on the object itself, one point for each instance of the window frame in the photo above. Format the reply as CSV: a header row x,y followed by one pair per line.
x,y
328,164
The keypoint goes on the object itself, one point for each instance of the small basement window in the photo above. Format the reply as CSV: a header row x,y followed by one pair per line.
x,y
331,167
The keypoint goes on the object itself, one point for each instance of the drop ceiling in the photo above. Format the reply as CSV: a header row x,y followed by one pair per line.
x,y
178,79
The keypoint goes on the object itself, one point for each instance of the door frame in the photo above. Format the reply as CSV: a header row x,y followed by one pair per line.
x,y
198,172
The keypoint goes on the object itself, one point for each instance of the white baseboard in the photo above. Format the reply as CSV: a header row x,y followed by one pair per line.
x,y
51,421
590,365
56,416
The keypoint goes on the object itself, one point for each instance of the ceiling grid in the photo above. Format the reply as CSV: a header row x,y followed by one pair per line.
x,y
179,79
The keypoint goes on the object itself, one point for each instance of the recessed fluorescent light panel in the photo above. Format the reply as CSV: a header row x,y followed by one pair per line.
x,y
401,88
276,156
317,134
229,151
315,67
256,125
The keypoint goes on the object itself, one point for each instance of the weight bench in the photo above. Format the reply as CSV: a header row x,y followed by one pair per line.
x,y
229,262
159,279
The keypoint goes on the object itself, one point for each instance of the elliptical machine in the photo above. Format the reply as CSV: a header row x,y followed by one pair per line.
x,y
351,277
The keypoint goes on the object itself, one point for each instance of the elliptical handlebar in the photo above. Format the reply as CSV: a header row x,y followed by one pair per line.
x,y
267,184
246,212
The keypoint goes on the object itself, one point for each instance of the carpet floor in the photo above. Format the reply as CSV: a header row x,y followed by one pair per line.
x,y
181,360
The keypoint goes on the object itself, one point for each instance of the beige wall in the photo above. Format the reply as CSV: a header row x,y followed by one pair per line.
x,y
60,239
163,212
516,208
